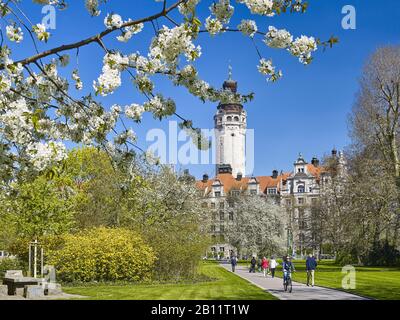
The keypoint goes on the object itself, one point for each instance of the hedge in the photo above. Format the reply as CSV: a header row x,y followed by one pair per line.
x,y
102,254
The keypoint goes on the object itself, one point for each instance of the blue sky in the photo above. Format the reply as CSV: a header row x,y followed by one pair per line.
x,y
304,112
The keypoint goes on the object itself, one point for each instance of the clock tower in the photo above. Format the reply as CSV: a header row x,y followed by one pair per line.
x,y
230,132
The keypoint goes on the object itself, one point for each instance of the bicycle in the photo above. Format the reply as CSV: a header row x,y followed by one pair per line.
x,y
287,282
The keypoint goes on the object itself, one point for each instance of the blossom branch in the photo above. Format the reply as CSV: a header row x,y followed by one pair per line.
x,y
95,38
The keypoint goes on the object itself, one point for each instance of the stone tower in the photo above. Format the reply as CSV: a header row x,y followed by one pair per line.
x,y
230,132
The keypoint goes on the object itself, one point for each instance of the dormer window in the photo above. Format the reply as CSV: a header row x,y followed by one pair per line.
x,y
235,193
271,191
217,194
300,189
300,170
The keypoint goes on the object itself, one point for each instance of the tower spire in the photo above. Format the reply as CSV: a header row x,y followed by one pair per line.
x,y
230,84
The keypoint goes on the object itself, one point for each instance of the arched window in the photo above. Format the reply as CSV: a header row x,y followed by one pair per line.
x,y
300,189
229,118
236,118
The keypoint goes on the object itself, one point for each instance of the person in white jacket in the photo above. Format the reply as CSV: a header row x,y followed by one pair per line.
x,y
273,265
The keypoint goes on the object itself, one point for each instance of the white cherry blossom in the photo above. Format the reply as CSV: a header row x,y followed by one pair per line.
x,y
41,33
14,33
213,26
43,155
248,27
113,21
268,69
303,47
275,38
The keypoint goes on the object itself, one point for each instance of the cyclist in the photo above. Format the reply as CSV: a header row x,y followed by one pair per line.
x,y
287,268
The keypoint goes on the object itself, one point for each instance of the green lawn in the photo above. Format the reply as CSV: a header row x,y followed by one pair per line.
x,y
374,282
226,286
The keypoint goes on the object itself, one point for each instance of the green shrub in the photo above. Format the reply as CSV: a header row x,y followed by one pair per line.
x,y
10,264
344,258
179,250
382,254
102,254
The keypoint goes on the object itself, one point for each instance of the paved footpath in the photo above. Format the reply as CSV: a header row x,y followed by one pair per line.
x,y
300,291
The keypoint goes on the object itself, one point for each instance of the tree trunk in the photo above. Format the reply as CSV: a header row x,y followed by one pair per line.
x,y
395,156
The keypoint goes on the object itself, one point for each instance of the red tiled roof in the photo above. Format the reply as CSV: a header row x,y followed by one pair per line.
x,y
315,171
229,182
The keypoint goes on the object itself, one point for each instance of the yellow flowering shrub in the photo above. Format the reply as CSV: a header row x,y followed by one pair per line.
x,y
102,254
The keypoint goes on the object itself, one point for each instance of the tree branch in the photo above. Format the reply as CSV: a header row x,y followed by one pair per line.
x,y
94,38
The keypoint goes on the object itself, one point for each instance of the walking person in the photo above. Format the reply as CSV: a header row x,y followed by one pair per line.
x,y
253,263
233,263
311,265
273,265
265,266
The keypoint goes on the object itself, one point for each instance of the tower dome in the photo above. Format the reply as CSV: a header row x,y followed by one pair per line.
x,y
230,84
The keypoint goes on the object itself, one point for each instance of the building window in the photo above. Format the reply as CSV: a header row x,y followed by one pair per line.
x,y
300,200
213,228
231,204
229,118
288,202
300,189
212,205
236,118
221,205
221,216
221,249
230,216
253,192
235,193
217,194
221,228
271,190
213,249
301,170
